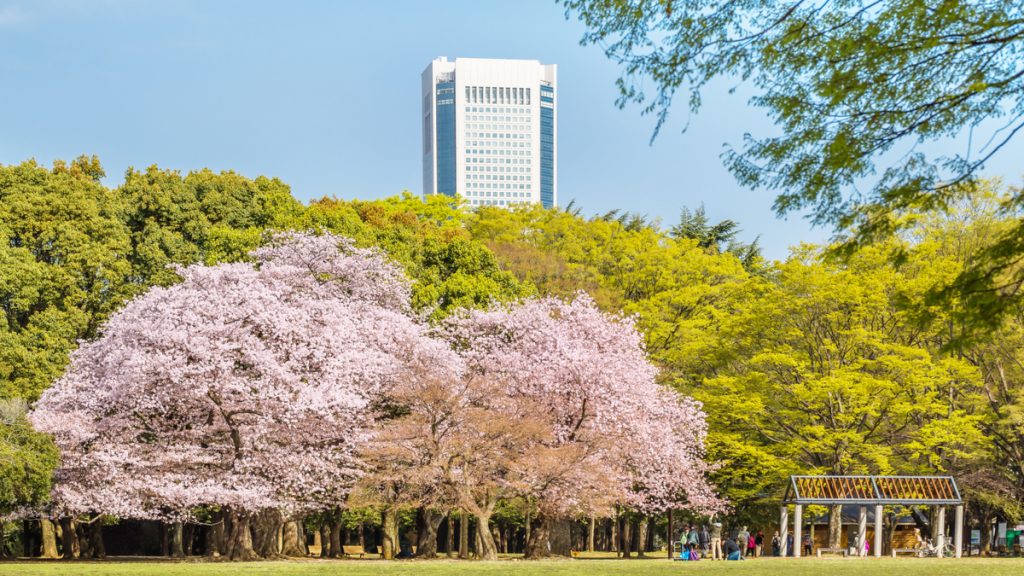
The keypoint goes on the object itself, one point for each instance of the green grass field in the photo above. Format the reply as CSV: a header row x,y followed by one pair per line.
x,y
649,567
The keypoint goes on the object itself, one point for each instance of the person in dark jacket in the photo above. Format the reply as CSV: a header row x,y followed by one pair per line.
x,y
732,550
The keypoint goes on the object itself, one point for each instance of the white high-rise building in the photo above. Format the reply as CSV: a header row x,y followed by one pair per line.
x,y
490,131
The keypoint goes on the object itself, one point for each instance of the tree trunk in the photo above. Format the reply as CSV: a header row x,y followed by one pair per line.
x,y
389,524
986,534
560,536
189,538
293,542
615,533
427,523
239,539
96,546
336,550
3,543
177,540
68,539
537,539
591,533
325,540
266,530
463,535
49,538
626,532
215,536
835,528
84,532
165,540
526,529
641,541
450,536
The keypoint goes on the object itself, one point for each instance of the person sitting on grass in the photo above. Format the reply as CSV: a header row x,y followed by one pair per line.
x,y
732,550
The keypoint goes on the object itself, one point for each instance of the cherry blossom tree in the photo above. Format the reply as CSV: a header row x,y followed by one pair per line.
x,y
246,386
616,437
460,442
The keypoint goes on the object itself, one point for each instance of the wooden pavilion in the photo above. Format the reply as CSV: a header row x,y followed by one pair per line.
x,y
877,491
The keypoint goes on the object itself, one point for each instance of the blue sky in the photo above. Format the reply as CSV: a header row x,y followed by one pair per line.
x,y
325,96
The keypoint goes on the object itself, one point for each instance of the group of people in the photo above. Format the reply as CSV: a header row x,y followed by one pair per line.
x,y
777,544
706,542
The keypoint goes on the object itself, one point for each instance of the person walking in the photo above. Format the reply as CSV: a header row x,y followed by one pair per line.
x,y
683,538
808,552
758,544
704,539
776,544
742,538
789,544
693,541
716,541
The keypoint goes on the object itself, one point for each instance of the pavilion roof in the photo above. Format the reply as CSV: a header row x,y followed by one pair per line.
x,y
866,490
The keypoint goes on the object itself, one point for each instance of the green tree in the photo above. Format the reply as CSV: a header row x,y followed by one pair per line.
x,y
63,268
27,461
819,370
854,87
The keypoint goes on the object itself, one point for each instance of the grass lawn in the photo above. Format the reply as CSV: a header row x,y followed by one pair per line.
x,y
650,567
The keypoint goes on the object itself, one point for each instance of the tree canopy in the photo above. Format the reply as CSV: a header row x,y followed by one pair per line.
x,y
855,88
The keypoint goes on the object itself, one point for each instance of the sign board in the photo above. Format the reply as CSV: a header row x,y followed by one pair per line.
x,y
976,537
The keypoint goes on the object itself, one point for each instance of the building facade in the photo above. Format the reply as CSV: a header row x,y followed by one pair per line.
x,y
490,131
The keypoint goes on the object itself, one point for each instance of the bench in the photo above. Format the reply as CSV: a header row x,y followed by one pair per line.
x,y
350,551
842,551
914,551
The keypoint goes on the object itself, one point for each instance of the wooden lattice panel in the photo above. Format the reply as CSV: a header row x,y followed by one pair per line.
x,y
873,489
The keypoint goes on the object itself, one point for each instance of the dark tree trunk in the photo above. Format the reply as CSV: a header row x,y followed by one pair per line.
x,y
985,546
165,540
69,539
626,537
28,540
336,550
641,532
84,532
215,535
537,539
615,533
325,540
189,538
239,538
450,537
3,543
99,551
177,535
427,523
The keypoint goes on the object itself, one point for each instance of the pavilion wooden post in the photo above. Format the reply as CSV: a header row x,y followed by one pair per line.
x,y
940,539
958,531
862,530
878,531
783,528
798,528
